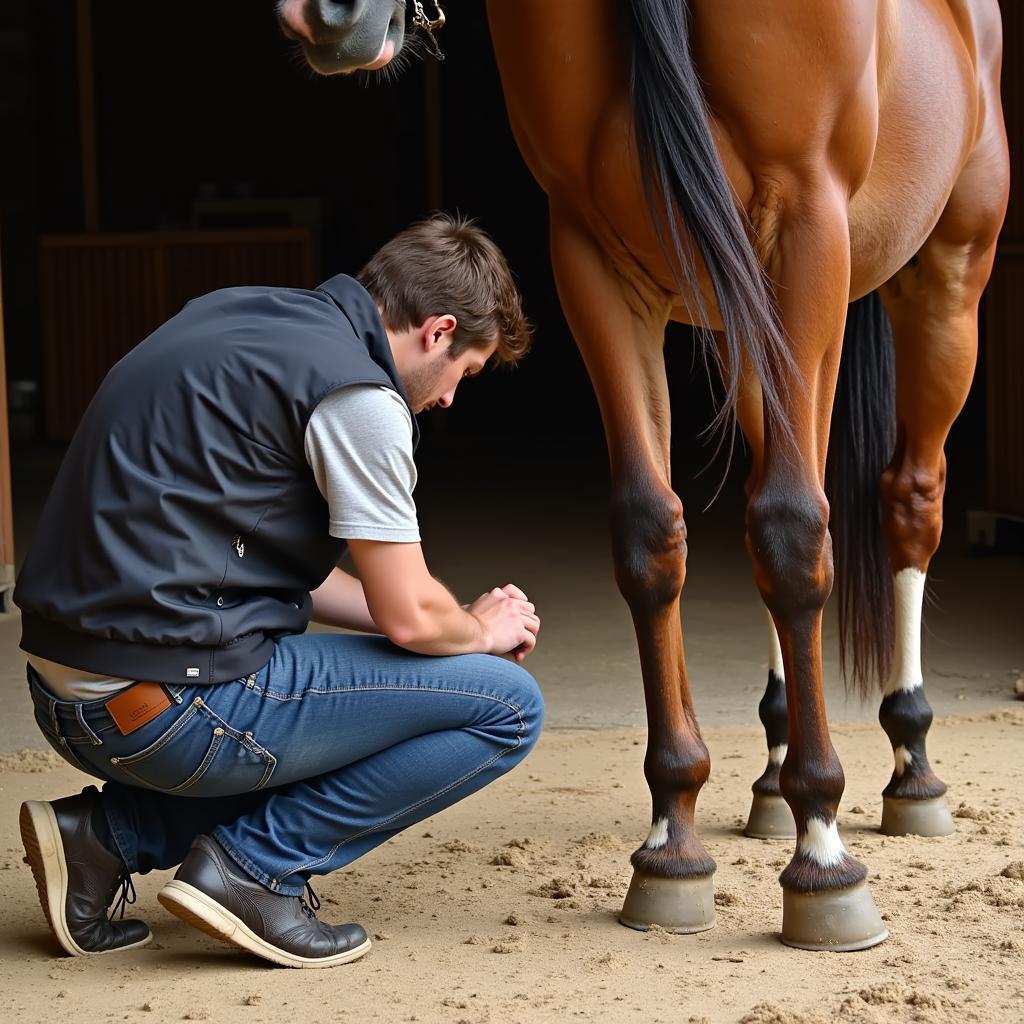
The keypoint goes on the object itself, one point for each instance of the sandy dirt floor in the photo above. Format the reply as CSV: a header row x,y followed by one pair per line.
x,y
504,907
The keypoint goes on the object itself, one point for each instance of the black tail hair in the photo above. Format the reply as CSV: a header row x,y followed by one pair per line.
x,y
863,438
684,179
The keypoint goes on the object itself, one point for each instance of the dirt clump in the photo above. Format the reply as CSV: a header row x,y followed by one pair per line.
x,y
556,889
511,858
30,762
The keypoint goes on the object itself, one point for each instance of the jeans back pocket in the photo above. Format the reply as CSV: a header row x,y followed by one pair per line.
x,y
199,754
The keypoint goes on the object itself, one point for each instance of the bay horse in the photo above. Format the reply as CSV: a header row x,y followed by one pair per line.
x,y
780,173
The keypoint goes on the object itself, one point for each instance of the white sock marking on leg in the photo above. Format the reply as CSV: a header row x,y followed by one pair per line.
x,y
821,843
908,586
775,651
904,759
659,834
776,755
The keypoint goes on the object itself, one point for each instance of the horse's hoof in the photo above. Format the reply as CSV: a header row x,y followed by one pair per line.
x,y
681,905
916,817
835,920
770,818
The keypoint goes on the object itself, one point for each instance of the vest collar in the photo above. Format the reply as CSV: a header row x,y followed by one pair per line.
x,y
361,311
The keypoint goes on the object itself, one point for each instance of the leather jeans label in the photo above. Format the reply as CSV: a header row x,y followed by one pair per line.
x,y
139,704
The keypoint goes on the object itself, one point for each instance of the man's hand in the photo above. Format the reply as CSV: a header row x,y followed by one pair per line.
x,y
509,620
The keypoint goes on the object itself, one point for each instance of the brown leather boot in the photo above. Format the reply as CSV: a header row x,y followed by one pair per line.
x,y
212,893
77,877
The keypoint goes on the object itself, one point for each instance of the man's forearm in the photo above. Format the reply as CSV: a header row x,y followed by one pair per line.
x,y
340,601
417,612
439,625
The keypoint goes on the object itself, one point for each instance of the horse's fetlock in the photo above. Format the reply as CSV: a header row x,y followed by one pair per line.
x,y
815,787
773,711
905,716
683,767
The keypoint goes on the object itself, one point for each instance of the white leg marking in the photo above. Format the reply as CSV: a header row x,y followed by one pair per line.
x,y
904,759
659,834
821,843
906,666
775,651
776,755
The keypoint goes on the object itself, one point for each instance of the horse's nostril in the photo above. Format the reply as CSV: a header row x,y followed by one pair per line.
x,y
341,13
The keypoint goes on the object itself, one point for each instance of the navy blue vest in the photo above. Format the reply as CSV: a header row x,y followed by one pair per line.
x,y
185,530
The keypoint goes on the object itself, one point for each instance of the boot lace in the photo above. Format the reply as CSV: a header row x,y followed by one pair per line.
x,y
128,895
311,904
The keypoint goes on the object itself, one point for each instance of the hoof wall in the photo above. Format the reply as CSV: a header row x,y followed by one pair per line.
x,y
680,905
770,818
836,920
916,817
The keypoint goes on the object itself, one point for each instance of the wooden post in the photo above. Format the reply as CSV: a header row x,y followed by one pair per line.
x,y
87,117
6,510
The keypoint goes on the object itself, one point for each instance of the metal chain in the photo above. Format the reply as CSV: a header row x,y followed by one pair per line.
x,y
420,20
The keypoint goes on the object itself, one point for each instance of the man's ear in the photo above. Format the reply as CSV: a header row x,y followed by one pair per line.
x,y
437,328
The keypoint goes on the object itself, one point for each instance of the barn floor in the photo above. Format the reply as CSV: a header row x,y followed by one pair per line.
x,y
460,938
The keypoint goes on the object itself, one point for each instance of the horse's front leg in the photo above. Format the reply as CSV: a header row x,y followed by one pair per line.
x,y
619,326
826,902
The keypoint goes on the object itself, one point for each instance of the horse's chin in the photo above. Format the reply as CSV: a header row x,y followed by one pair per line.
x,y
338,59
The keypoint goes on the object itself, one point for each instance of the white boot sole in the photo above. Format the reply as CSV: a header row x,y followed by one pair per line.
x,y
194,907
44,850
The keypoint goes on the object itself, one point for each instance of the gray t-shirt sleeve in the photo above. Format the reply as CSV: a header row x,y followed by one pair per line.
x,y
359,445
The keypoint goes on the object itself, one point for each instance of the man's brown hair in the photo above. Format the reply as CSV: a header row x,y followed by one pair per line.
x,y
446,264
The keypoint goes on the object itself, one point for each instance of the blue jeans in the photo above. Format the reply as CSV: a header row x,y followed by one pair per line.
x,y
334,746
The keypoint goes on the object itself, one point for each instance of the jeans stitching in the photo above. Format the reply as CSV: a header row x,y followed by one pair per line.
x,y
158,744
447,789
73,759
91,736
274,695
245,862
211,752
248,741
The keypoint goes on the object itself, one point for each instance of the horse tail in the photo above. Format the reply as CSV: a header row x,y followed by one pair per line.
x,y
863,438
684,180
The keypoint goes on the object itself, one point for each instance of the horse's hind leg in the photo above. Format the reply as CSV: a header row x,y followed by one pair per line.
x,y
770,816
933,306
619,327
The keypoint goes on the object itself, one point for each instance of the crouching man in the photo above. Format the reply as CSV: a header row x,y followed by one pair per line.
x,y
193,531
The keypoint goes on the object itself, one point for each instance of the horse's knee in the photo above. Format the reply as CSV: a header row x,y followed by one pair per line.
x,y
649,541
787,533
912,512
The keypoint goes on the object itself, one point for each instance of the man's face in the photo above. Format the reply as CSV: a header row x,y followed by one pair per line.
x,y
434,377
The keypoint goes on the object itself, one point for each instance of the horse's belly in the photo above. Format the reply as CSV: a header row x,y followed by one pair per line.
x,y
928,97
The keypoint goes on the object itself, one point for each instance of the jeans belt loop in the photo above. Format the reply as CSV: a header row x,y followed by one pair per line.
x,y
93,738
51,707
